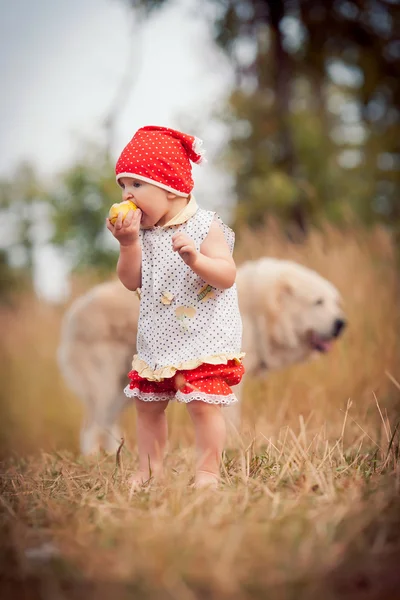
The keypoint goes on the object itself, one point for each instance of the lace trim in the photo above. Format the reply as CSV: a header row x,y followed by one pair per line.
x,y
203,397
146,372
147,396
185,398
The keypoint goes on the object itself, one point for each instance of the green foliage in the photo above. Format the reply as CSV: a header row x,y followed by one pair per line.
x,y
68,212
313,120
80,205
21,197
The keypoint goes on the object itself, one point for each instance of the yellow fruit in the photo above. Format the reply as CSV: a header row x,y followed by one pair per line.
x,y
121,207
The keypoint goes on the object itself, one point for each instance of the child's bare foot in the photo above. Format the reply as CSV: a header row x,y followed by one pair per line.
x,y
141,480
137,482
206,479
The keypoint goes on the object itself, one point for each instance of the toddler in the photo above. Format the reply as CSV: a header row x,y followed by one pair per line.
x,y
179,258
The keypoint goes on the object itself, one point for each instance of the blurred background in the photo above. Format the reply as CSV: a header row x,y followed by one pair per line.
x,y
297,102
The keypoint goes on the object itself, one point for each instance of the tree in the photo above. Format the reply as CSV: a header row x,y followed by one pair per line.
x,y
79,206
22,201
300,65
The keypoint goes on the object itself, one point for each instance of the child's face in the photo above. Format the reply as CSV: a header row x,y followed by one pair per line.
x,y
155,203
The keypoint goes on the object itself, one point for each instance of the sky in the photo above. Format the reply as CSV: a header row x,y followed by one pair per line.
x,y
61,64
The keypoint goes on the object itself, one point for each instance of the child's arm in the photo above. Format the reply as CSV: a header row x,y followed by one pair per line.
x,y
129,267
214,262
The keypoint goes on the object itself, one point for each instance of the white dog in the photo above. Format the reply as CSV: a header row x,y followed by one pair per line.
x,y
289,312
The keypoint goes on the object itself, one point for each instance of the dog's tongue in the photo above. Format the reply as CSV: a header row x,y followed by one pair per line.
x,y
320,344
325,345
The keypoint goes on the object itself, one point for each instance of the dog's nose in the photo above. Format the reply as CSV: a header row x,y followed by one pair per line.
x,y
338,327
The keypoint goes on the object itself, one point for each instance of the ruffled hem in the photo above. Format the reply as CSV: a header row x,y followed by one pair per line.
x,y
208,398
180,397
147,397
169,371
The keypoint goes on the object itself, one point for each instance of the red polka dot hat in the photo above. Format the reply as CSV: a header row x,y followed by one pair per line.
x,y
161,156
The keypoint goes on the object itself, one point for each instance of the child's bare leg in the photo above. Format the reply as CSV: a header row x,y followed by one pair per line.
x,y
210,431
152,434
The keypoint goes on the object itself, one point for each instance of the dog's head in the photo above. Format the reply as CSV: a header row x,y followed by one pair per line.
x,y
311,309
303,312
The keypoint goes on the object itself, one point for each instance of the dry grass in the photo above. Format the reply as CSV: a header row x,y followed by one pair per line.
x,y
308,507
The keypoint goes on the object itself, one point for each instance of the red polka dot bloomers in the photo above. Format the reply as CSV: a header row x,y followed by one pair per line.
x,y
209,383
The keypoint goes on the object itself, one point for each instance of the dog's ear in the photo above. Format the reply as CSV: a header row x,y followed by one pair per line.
x,y
279,315
284,292
286,288
276,300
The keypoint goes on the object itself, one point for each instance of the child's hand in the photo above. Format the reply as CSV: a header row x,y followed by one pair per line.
x,y
126,230
183,244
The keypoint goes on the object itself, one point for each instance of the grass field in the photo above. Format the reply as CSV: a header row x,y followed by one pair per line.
x,y
309,505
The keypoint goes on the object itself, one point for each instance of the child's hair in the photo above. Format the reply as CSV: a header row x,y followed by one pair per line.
x,y
161,156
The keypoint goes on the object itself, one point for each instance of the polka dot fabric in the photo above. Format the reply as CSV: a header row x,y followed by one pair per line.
x,y
207,383
161,156
181,318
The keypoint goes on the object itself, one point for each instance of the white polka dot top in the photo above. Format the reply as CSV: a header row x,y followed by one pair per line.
x,y
183,322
